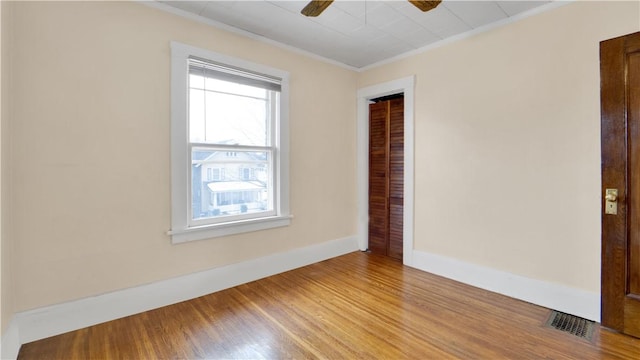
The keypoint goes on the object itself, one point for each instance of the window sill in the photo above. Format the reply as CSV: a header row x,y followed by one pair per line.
x,y
230,228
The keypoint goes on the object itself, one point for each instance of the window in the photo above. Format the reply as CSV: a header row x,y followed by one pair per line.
x,y
218,174
215,174
229,130
245,174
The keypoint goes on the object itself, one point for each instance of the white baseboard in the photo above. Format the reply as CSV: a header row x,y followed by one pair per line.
x,y
73,315
10,344
554,296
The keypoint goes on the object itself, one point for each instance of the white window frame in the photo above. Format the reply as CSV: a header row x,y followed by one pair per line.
x,y
181,231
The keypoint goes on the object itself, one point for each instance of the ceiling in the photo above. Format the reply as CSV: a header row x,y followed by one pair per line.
x,y
358,34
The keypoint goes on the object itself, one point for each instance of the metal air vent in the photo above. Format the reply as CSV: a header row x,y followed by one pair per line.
x,y
571,324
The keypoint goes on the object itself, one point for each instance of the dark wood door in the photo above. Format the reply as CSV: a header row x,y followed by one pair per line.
x,y
386,177
620,122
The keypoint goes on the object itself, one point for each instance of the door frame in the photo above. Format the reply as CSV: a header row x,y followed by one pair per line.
x,y
404,85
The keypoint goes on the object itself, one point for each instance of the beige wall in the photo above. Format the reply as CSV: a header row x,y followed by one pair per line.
x,y
90,150
507,148
507,134
6,280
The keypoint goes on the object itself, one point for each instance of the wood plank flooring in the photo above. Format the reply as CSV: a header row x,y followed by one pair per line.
x,y
358,305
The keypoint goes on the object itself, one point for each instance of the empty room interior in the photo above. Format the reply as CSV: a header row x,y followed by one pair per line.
x,y
374,179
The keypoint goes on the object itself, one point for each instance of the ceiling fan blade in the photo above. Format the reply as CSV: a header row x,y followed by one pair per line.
x,y
425,5
316,7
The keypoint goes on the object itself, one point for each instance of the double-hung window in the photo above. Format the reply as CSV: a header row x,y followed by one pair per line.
x,y
228,116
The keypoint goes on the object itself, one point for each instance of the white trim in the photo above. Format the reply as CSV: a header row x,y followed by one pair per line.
x,y
512,19
182,229
228,228
10,344
406,86
234,30
52,320
550,295
535,11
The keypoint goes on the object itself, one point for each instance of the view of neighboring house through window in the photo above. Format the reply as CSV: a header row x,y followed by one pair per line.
x,y
231,120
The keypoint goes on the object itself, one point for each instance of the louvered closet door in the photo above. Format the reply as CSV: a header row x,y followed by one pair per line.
x,y
378,180
386,177
396,176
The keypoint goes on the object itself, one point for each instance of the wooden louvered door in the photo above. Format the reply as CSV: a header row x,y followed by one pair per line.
x,y
386,176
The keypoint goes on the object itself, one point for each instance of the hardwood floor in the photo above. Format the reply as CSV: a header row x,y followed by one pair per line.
x,y
358,305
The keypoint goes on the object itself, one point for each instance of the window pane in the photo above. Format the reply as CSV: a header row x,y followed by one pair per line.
x,y
196,115
212,84
246,186
228,113
231,119
196,81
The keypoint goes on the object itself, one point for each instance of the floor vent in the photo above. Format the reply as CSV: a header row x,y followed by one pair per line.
x,y
574,325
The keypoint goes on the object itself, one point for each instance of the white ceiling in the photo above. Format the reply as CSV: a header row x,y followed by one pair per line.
x,y
357,33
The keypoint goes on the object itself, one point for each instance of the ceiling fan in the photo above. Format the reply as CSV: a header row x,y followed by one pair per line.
x,y
316,7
